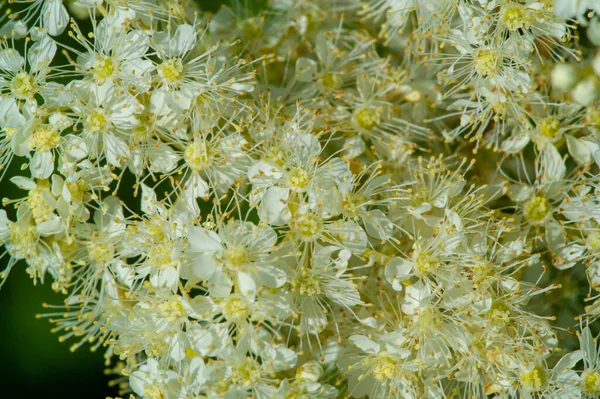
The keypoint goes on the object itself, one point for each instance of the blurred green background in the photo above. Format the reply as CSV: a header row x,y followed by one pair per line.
x,y
33,363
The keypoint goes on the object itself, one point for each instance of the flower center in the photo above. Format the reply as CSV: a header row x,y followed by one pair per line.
x,y
245,373
430,318
353,204
298,179
549,127
486,63
100,252
22,85
590,382
425,265
103,68
23,240
171,70
385,368
197,156
332,80
499,314
516,17
44,138
593,241
40,209
483,269
534,380
161,256
306,284
251,30
537,209
77,190
152,391
308,226
235,257
235,308
172,310
96,122
367,118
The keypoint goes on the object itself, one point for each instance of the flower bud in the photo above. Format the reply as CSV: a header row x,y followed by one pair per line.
x,y
586,91
563,77
310,371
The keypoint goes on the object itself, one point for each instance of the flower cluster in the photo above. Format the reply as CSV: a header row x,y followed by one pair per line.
x,y
320,198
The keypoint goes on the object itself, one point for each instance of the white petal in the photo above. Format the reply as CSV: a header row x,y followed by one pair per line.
x,y
23,182
54,17
350,234
219,285
246,284
52,226
305,69
271,276
554,167
396,271
378,225
11,60
9,113
366,344
578,150
75,146
116,149
204,266
41,54
273,208
42,164
204,241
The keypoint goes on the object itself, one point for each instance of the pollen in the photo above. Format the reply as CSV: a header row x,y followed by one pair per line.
x,y
367,118
235,256
97,121
537,209
590,382
486,63
298,179
44,138
100,252
308,226
385,367
306,284
171,71
515,17
197,156
22,85
534,380
103,68
235,308
332,80
549,127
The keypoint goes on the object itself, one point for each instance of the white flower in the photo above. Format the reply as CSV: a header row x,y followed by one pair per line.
x,y
107,115
239,252
21,78
117,55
